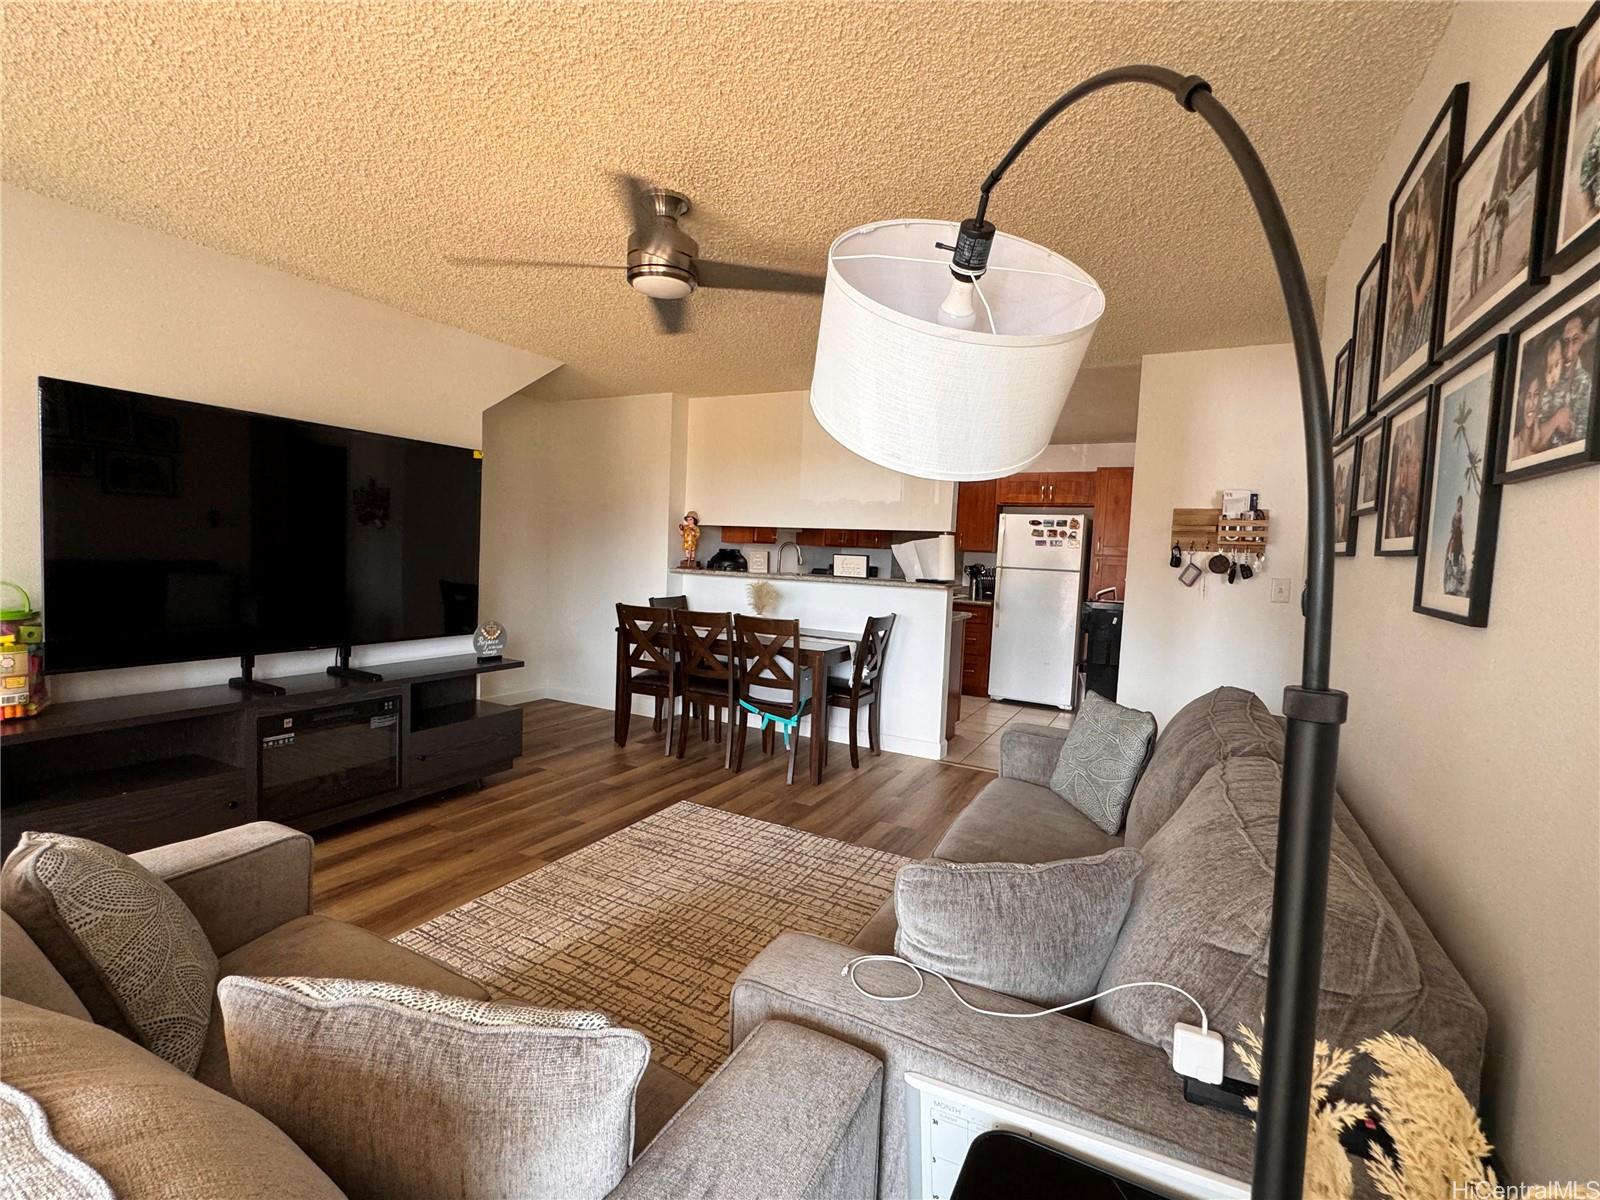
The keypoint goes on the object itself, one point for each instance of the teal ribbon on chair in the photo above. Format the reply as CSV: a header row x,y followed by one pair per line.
x,y
788,725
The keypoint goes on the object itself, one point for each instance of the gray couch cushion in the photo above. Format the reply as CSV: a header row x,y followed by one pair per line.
x,y
1101,759
1205,732
1200,919
1041,932
413,1095
120,937
149,1130
1012,821
792,1115
321,946
29,977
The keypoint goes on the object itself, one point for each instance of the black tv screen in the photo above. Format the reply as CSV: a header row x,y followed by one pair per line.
x,y
177,531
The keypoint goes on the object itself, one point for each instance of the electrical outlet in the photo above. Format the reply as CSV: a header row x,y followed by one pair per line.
x,y
1280,591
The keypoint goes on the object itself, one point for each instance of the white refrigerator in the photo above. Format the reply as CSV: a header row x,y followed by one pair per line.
x,y
1038,597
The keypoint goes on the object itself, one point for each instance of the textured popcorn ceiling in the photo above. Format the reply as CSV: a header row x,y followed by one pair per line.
x,y
359,145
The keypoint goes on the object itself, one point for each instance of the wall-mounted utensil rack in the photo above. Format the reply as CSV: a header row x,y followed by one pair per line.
x,y
1195,529
1243,533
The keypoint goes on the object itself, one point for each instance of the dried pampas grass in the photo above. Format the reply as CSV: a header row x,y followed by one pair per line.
x,y
763,597
1439,1144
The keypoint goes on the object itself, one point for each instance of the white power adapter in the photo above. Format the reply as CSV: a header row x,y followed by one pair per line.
x,y
1197,1053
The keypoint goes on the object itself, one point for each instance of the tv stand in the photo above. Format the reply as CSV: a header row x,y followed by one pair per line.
x,y
342,669
141,771
246,681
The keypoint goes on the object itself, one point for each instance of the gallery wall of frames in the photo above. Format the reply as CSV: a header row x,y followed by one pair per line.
x,y
1425,436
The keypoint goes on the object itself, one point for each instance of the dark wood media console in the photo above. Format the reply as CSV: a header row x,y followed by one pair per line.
x,y
139,771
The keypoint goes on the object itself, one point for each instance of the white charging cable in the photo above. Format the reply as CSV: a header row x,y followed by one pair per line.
x,y
850,968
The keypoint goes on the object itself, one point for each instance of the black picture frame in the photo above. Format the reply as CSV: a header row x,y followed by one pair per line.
x,y
1446,135
1367,454
1364,385
1403,411
1546,66
1559,258
1486,527
1338,393
1540,321
1344,501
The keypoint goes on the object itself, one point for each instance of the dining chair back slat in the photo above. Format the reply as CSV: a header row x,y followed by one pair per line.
x,y
669,602
647,664
872,652
647,636
705,647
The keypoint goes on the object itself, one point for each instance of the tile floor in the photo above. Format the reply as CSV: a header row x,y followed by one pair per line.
x,y
977,740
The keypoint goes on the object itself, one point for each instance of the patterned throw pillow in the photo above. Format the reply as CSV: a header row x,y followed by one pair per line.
x,y
1101,759
130,949
409,1094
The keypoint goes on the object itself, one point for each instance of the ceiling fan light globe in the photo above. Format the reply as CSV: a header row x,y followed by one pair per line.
x,y
662,284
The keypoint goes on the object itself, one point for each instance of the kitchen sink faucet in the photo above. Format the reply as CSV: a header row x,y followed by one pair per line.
x,y
799,558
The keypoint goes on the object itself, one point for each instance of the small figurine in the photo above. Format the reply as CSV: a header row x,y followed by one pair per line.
x,y
689,528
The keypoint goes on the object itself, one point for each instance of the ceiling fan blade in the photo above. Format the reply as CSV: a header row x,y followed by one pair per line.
x,y
473,260
672,316
635,196
756,279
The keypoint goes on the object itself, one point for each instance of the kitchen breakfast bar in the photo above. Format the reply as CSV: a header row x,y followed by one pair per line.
x,y
917,682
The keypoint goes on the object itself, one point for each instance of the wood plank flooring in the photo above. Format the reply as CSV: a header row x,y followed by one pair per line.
x,y
573,786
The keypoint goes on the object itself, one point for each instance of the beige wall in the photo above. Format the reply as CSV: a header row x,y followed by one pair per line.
x,y
1206,422
1471,754
764,460
90,298
1103,406
581,502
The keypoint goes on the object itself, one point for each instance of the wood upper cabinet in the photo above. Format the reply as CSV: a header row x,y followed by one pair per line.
x,y
977,516
861,539
738,535
1113,507
1061,488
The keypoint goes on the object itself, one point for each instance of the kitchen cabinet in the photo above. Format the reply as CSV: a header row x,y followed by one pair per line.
x,y
1113,506
976,636
741,535
1058,488
857,539
977,515
1109,569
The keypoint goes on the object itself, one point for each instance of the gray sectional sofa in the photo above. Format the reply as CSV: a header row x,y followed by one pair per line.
x,y
150,1130
1204,816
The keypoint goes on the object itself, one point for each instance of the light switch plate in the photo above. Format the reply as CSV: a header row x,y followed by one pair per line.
x,y
1280,590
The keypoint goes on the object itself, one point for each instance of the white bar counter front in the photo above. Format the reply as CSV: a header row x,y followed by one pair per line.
x,y
915,681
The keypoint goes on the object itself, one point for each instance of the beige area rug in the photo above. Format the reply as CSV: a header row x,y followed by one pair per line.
x,y
653,924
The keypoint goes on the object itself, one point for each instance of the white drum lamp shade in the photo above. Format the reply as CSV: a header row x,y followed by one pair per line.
x,y
915,389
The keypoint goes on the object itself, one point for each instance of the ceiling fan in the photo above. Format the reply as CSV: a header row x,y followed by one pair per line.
x,y
664,262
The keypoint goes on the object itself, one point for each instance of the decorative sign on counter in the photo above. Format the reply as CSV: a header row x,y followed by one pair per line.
x,y
489,641
850,566
758,562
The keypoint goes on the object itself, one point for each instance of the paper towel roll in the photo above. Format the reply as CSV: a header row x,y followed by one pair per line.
x,y
928,558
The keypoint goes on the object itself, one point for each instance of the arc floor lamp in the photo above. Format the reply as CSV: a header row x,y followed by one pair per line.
x,y
952,361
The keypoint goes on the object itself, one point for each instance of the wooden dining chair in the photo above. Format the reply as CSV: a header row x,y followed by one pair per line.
x,y
706,663
669,602
862,689
647,665
772,684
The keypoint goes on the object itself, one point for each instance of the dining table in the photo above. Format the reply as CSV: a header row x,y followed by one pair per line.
x,y
820,650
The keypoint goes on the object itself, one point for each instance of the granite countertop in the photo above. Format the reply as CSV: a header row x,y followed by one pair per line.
x,y
969,600
808,578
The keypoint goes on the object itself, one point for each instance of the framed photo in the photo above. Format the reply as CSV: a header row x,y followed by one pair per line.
x,y
1344,500
1412,302
1338,391
1548,412
1455,559
1364,342
1405,444
1574,224
1497,207
1369,469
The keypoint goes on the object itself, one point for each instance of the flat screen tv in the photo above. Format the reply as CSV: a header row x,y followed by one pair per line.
x,y
176,531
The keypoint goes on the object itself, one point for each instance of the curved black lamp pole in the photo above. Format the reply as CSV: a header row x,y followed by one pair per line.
x,y
1314,712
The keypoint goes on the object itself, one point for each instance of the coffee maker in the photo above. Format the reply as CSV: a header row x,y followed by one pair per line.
x,y
980,582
